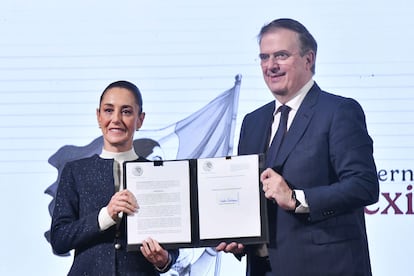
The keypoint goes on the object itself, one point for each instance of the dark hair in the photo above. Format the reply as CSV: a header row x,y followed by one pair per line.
x,y
307,42
127,85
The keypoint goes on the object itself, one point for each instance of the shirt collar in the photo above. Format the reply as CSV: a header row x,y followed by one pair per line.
x,y
119,156
296,101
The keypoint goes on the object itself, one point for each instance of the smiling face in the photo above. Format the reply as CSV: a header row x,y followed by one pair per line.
x,y
285,68
119,116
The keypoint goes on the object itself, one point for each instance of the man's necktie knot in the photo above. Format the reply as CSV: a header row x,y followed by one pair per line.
x,y
284,110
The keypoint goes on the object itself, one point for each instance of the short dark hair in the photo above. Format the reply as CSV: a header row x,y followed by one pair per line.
x,y
127,85
307,42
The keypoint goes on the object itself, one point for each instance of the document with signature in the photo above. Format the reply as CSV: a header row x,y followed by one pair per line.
x,y
229,199
197,202
162,190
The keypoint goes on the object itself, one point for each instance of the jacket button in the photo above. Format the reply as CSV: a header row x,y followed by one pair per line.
x,y
117,246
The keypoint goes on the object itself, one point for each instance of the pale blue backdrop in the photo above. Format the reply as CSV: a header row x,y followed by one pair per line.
x,y
56,57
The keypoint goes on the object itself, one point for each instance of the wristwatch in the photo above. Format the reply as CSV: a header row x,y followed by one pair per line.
x,y
297,202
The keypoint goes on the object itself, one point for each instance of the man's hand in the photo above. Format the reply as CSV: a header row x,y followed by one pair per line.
x,y
276,189
234,247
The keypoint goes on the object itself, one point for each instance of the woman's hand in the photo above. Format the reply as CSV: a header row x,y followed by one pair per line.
x,y
154,253
122,202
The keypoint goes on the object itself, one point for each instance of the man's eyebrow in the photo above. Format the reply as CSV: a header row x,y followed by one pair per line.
x,y
277,52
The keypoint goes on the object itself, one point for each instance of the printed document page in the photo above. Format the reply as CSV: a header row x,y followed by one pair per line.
x,y
163,196
229,197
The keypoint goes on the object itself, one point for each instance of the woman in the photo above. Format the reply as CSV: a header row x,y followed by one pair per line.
x,y
90,201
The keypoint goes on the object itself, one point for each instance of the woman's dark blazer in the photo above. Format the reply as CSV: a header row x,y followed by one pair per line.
x,y
85,187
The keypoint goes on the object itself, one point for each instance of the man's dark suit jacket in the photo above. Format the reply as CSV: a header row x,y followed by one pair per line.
x,y
328,154
85,187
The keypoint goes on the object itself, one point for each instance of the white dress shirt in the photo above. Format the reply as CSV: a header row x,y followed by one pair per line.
x,y
294,105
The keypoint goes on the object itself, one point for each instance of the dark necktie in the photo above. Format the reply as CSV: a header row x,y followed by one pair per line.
x,y
279,135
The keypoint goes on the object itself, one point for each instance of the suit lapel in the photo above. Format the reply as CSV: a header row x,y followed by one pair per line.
x,y
267,126
299,125
256,134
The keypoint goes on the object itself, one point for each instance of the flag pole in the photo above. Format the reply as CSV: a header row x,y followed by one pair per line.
x,y
237,84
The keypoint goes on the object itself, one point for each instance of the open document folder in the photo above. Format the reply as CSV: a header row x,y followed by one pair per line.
x,y
197,202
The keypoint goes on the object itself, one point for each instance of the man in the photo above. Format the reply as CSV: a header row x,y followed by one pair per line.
x,y
323,174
